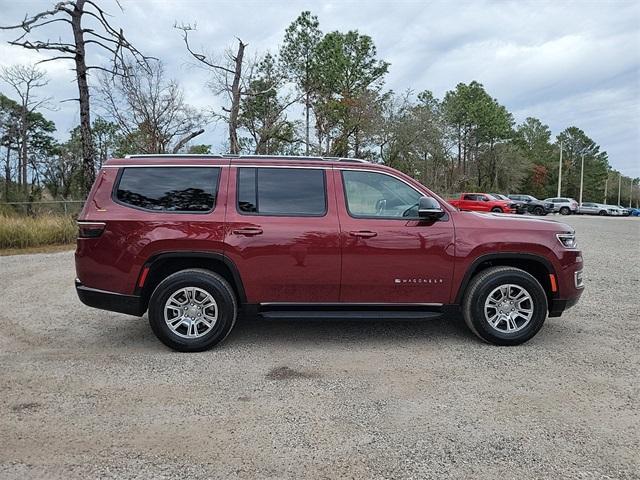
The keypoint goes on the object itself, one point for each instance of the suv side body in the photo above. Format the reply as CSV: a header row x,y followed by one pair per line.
x,y
304,237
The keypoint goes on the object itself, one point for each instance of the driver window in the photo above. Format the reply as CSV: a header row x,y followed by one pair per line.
x,y
377,195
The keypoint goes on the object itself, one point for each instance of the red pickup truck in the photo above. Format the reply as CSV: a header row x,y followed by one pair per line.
x,y
482,202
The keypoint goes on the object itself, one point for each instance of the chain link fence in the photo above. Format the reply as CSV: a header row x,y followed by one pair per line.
x,y
43,208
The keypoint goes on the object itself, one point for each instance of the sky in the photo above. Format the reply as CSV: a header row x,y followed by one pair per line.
x,y
567,63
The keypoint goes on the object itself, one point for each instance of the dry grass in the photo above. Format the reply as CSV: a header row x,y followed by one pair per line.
x,y
28,232
31,250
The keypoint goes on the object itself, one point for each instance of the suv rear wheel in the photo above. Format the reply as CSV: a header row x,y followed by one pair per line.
x,y
565,211
496,210
192,310
505,306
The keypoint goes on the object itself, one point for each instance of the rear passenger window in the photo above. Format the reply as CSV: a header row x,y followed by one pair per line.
x,y
169,189
282,191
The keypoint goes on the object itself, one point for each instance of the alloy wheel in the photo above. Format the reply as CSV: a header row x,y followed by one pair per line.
x,y
191,312
508,308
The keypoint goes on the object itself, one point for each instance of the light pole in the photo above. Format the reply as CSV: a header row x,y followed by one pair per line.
x,y
581,179
560,172
619,185
606,182
630,192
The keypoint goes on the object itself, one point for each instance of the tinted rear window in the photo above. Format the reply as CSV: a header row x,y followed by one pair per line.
x,y
169,189
282,191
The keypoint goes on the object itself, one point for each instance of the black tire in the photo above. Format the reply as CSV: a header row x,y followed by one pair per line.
x,y
496,210
480,288
565,211
539,211
602,213
214,285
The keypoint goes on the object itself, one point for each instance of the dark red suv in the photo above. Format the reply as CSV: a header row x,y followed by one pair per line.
x,y
193,239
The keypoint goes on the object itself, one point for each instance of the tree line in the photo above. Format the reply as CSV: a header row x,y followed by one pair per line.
x,y
321,93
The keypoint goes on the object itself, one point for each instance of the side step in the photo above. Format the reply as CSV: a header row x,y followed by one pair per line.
x,y
348,312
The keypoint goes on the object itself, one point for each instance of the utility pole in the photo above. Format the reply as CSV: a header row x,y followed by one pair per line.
x,y
560,172
606,182
619,185
581,178
630,192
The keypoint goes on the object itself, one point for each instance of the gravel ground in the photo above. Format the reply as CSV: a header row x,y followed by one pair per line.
x,y
88,394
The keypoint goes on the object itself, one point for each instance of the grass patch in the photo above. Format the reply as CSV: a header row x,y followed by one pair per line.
x,y
31,250
29,232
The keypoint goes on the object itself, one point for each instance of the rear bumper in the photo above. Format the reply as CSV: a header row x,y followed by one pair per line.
x,y
114,302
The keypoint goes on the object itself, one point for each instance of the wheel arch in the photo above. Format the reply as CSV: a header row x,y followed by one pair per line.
x,y
536,265
164,264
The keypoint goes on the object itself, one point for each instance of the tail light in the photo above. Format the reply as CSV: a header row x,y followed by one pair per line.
x,y
90,229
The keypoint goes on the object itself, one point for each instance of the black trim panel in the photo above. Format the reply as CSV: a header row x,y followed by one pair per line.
x,y
557,306
199,254
498,256
114,302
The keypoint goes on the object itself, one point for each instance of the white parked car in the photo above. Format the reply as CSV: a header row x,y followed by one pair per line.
x,y
563,205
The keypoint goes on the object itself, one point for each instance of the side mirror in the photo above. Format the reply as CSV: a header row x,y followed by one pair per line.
x,y
428,208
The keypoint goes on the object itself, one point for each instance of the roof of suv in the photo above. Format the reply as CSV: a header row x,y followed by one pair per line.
x,y
268,158
173,160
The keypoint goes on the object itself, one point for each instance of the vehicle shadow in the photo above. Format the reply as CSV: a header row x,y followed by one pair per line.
x,y
257,332
252,330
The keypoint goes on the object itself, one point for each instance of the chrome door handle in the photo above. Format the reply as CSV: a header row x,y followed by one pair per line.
x,y
363,234
248,232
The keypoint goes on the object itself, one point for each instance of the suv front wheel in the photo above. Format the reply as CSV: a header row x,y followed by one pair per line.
x,y
192,310
505,306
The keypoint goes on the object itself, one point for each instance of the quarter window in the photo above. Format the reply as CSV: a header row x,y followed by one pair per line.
x,y
282,191
169,189
371,194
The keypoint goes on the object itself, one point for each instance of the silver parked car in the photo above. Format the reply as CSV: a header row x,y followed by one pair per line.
x,y
590,208
563,205
616,211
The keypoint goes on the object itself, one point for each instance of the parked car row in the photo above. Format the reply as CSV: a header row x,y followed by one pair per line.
x,y
499,203
518,203
591,208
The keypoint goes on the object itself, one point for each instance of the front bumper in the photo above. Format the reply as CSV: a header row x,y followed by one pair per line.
x,y
114,302
558,306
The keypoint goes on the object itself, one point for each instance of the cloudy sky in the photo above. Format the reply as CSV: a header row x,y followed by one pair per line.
x,y
567,63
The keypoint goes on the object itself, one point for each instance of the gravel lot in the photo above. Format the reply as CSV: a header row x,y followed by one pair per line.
x,y
86,393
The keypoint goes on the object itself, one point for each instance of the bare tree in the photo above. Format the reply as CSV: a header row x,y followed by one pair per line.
x,y
108,38
150,110
25,80
230,77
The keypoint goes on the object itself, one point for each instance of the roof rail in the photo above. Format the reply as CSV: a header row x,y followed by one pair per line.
x,y
173,155
253,157
345,159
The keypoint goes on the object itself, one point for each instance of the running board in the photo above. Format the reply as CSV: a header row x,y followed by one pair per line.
x,y
348,312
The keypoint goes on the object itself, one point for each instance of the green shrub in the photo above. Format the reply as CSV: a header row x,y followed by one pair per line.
x,y
22,232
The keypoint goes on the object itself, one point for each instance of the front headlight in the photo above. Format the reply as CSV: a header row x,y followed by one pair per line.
x,y
568,240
